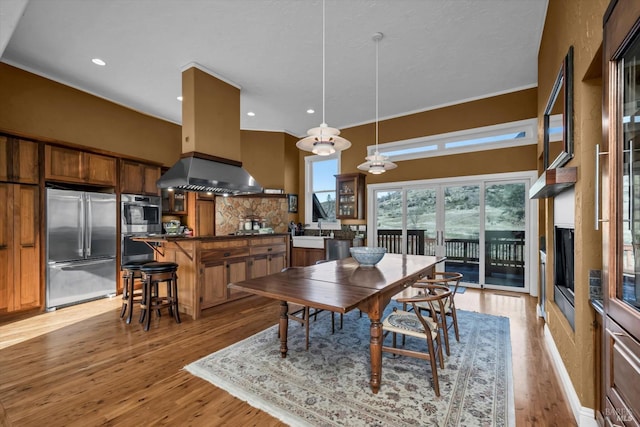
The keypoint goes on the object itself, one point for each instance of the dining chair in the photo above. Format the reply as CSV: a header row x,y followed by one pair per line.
x,y
302,315
442,280
415,324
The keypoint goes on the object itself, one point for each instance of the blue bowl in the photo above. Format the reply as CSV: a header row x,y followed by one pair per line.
x,y
366,256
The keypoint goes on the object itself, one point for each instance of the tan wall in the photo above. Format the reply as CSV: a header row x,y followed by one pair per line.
x,y
43,109
263,156
577,23
520,105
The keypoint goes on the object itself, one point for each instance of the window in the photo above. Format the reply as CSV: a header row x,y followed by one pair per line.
x,y
320,194
486,138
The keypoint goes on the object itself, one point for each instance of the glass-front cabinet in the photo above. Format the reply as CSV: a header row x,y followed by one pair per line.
x,y
350,196
174,202
621,215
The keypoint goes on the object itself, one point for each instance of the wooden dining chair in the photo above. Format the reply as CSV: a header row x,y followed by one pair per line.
x,y
442,280
303,315
418,325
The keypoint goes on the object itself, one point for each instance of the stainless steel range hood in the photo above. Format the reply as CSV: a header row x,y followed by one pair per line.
x,y
204,173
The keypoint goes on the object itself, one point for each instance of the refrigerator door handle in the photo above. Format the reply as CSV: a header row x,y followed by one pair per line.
x,y
89,225
81,236
73,265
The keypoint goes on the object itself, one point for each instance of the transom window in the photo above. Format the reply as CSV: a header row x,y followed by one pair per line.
x,y
512,134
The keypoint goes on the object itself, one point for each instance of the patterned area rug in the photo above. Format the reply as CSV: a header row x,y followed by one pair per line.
x,y
329,384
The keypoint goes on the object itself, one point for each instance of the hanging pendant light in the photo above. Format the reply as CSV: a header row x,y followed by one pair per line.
x,y
377,163
323,140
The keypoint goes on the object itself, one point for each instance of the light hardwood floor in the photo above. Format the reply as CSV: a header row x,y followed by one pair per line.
x,y
84,366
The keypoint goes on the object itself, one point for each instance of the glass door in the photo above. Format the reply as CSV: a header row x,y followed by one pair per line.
x,y
479,227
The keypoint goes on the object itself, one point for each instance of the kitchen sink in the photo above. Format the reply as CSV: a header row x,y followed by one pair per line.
x,y
316,242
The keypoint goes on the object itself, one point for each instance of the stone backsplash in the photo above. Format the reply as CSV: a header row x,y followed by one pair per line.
x,y
232,211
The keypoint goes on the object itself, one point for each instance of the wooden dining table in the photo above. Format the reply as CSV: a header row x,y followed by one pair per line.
x,y
341,286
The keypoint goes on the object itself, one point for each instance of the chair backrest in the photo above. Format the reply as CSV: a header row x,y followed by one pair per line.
x,y
437,298
443,278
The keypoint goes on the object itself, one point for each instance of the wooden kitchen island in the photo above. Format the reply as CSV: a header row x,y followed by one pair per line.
x,y
208,264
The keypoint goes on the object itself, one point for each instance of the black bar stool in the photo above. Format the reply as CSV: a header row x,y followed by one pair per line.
x,y
130,272
152,274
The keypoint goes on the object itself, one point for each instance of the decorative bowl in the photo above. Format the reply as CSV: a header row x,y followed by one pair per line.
x,y
171,227
366,256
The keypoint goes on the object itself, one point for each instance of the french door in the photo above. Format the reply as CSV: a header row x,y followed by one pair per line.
x,y
480,226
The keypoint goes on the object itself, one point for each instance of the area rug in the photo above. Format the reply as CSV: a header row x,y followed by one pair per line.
x,y
328,385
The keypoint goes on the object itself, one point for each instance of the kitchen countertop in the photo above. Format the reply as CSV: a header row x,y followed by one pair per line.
x,y
180,238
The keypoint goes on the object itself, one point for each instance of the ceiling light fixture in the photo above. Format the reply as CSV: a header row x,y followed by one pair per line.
x,y
377,163
251,114
311,111
179,98
323,140
99,62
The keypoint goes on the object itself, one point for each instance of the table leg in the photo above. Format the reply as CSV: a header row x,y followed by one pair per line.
x,y
284,326
375,348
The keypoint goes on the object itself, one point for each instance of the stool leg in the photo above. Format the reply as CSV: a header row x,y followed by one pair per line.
x,y
174,298
143,301
125,295
155,295
148,299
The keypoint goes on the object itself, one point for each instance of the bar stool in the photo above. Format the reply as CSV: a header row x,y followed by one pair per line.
x,y
131,272
154,273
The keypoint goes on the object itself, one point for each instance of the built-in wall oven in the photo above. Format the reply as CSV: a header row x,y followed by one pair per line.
x,y
141,216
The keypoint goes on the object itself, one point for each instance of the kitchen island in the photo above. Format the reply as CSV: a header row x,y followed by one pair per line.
x,y
207,264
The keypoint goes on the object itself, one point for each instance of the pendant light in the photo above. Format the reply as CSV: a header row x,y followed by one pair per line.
x,y
323,140
377,163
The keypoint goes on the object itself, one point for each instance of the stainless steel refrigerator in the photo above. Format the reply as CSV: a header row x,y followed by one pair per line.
x,y
81,246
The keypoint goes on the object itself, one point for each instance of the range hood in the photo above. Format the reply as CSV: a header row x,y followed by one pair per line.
x,y
204,173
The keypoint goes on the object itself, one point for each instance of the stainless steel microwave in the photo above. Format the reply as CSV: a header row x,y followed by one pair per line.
x,y
141,214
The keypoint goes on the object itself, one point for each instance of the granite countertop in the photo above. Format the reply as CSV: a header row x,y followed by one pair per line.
x,y
179,237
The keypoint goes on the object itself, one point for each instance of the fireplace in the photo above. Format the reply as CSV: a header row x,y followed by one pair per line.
x,y
564,271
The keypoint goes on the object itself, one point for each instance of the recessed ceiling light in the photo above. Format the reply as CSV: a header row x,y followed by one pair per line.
x,y
179,98
251,114
99,62
311,111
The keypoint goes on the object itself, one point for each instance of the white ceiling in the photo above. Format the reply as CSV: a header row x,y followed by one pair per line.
x,y
434,52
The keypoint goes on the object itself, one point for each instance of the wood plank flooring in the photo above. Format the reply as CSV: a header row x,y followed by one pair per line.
x,y
84,366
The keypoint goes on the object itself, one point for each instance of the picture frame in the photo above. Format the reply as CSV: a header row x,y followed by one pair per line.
x,y
292,200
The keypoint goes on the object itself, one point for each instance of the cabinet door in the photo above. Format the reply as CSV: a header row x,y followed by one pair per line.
x,y
350,196
205,213
99,169
150,174
26,237
213,284
259,266
19,160
276,263
236,272
6,245
63,164
131,177
20,287
621,234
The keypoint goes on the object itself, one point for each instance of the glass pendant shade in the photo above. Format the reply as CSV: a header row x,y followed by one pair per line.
x,y
376,164
323,141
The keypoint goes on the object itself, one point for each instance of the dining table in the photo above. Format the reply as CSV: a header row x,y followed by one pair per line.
x,y
341,286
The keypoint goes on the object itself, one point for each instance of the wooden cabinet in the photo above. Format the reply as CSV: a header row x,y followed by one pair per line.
x,y
71,165
350,196
174,202
268,256
201,214
19,160
302,257
217,275
138,178
20,286
621,231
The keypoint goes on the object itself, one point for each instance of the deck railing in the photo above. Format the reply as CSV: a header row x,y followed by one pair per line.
x,y
504,250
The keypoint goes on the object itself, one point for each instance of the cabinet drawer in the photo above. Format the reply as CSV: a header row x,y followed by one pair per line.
x,y
271,249
267,241
221,254
240,243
